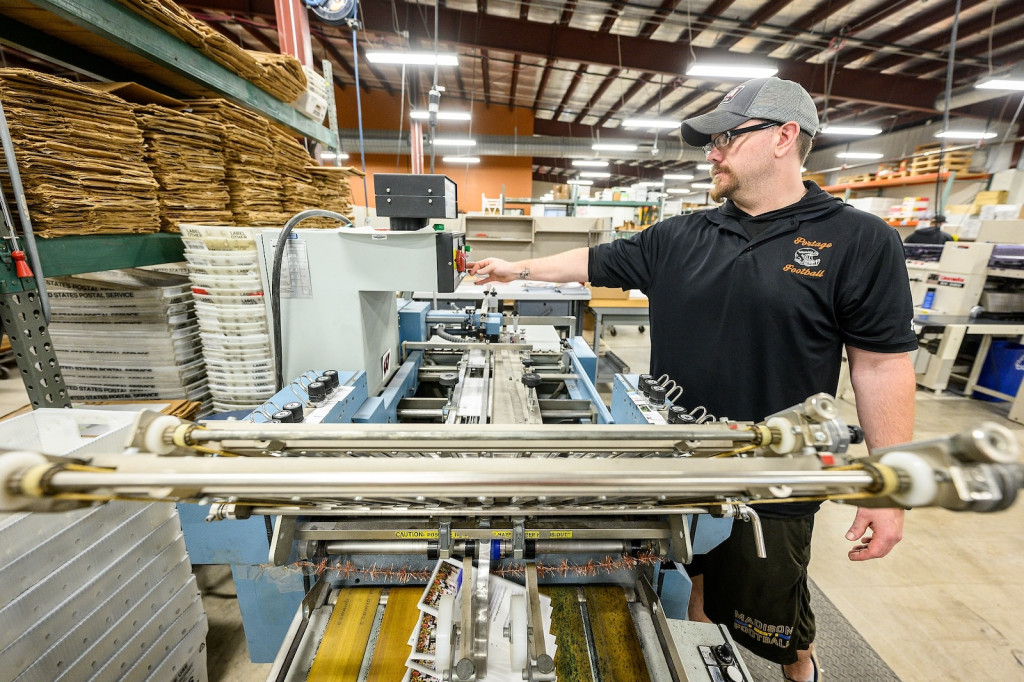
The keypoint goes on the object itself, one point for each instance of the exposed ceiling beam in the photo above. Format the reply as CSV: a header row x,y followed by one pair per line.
x,y
566,16
659,96
651,57
764,13
557,42
717,9
660,14
635,88
543,84
683,102
339,58
515,82
977,27
524,9
598,93
942,12
611,16
576,78
260,36
999,41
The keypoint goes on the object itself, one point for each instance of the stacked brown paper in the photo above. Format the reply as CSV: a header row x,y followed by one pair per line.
x,y
185,153
253,181
80,154
335,192
176,21
282,75
292,163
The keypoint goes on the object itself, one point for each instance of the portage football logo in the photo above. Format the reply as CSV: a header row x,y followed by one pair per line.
x,y
807,257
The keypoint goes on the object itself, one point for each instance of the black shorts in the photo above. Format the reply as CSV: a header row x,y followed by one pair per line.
x,y
764,602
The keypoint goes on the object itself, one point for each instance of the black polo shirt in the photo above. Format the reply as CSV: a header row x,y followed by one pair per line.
x,y
750,326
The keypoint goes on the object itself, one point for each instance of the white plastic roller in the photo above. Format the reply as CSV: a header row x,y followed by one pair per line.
x,y
443,634
517,633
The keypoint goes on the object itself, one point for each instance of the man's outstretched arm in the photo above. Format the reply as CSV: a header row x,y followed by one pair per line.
x,y
568,266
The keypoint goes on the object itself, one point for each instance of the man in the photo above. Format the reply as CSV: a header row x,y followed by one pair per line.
x,y
751,305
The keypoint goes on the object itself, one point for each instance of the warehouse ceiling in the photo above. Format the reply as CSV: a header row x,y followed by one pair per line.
x,y
583,67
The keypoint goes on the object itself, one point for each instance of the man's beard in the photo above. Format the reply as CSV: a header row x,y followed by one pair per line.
x,y
724,186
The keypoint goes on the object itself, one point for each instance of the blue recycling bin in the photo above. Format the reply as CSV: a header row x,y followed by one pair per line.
x,y
1003,369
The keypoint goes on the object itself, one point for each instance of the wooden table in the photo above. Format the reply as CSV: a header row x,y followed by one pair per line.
x,y
632,310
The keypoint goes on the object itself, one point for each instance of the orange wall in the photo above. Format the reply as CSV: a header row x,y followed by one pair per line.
x,y
494,174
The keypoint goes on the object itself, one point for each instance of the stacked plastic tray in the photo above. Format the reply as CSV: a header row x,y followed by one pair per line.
x,y
223,266
127,334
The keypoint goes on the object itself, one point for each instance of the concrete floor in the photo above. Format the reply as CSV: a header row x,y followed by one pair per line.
x,y
945,605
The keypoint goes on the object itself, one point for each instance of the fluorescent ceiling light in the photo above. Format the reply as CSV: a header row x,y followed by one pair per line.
x,y
677,190
1001,84
601,147
331,156
441,115
702,185
965,135
453,142
414,58
703,166
587,163
651,183
677,176
579,182
744,71
859,155
850,130
461,159
595,174
665,123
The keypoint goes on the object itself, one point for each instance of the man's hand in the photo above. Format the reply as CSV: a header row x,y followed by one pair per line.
x,y
494,270
886,530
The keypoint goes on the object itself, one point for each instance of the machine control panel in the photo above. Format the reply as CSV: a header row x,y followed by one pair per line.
x,y
451,260
721,663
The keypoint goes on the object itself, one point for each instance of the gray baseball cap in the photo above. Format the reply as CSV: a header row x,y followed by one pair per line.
x,y
769,99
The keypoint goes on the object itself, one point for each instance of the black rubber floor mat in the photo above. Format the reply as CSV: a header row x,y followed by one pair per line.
x,y
844,655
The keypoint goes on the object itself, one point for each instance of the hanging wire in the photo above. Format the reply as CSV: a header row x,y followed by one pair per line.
x,y
939,209
359,117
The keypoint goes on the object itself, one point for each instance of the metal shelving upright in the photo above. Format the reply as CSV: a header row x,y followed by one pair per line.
x,y
119,31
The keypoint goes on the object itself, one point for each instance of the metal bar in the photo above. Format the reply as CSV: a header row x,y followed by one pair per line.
x,y
628,437
668,645
461,483
76,254
473,510
461,346
122,26
538,650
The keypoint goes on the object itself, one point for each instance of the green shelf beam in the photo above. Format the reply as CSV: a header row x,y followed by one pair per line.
x,y
78,254
122,26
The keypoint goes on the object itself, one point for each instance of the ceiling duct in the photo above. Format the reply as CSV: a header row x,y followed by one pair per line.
x,y
386,142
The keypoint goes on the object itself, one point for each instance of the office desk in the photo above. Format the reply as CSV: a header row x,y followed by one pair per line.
x,y
632,310
573,293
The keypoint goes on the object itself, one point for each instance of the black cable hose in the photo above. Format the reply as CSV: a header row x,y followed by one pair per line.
x,y
275,282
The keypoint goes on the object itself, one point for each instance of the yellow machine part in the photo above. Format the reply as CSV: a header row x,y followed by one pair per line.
x,y
393,648
343,646
619,655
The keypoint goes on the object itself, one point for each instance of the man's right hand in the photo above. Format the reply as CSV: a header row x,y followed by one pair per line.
x,y
494,270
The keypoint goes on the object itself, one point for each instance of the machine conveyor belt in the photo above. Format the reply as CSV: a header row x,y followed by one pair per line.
x,y
350,631
592,623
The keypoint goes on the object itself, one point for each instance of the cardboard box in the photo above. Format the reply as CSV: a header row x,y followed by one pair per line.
x,y
989,197
607,292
